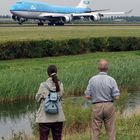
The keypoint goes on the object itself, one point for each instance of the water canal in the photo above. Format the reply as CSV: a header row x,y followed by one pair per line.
x,y
17,117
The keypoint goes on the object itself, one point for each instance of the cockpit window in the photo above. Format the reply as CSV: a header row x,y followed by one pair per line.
x,y
19,2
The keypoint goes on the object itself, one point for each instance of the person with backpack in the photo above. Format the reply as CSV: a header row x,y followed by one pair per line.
x,y
50,115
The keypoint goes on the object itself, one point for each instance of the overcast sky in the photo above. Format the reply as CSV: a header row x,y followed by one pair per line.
x,y
114,5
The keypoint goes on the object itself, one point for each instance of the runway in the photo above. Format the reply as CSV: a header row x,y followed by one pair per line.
x,y
35,25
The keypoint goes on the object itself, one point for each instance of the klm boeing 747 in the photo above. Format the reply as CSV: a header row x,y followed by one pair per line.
x,y
56,15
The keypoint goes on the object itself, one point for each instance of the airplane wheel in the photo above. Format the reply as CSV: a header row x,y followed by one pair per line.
x,y
51,24
59,24
40,24
55,24
19,23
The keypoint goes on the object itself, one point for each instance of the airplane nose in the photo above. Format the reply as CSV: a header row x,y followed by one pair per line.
x,y
12,12
13,8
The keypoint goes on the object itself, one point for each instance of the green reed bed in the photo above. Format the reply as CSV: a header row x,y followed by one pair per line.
x,y
20,79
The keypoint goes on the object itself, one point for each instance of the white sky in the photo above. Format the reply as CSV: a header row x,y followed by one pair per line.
x,y
114,5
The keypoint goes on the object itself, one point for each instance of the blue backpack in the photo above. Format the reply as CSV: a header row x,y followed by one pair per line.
x,y
51,105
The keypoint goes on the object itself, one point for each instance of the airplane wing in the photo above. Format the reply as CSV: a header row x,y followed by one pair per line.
x,y
55,15
103,13
97,10
117,13
93,16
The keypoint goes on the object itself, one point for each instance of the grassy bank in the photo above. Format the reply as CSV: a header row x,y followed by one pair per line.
x,y
78,122
21,78
66,32
127,129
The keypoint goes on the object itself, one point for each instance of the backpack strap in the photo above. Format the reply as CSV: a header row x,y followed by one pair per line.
x,y
47,87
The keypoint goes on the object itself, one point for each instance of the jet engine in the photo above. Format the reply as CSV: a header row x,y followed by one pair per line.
x,y
95,17
19,19
14,17
66,19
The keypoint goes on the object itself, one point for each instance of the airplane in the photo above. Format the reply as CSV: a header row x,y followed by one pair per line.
x,y
56,15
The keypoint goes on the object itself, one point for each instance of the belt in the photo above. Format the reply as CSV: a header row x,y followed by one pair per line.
x,y
103,102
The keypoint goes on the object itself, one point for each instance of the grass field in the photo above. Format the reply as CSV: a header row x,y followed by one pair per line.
x,y
21,78
66,32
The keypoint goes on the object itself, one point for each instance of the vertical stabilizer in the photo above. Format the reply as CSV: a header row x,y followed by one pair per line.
x,y
84,4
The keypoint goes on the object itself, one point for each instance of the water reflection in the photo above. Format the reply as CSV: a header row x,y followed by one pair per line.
x,y
16,117
132,106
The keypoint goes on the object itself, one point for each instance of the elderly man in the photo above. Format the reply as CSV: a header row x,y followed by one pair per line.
x,y
102,90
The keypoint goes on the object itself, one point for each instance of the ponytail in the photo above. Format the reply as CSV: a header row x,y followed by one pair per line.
x,y
56,81
52,72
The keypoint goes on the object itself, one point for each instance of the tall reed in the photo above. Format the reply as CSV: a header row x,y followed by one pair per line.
x,y
21,78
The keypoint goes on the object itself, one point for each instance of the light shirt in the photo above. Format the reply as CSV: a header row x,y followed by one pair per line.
x,y
102,88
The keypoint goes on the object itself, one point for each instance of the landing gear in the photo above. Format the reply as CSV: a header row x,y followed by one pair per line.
x,y
19,23
40,24
21,20
59,24
55,24
51,24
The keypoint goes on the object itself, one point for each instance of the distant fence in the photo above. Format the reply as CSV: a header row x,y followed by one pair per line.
x,y
45,48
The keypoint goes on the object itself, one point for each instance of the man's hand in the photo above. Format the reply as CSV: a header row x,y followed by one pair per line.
x,y
116,97
88,97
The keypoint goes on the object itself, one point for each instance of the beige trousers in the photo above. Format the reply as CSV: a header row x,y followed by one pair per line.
x,y
103,113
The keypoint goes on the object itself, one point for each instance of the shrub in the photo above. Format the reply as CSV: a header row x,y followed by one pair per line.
x,y
45,48
98,44
115,44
